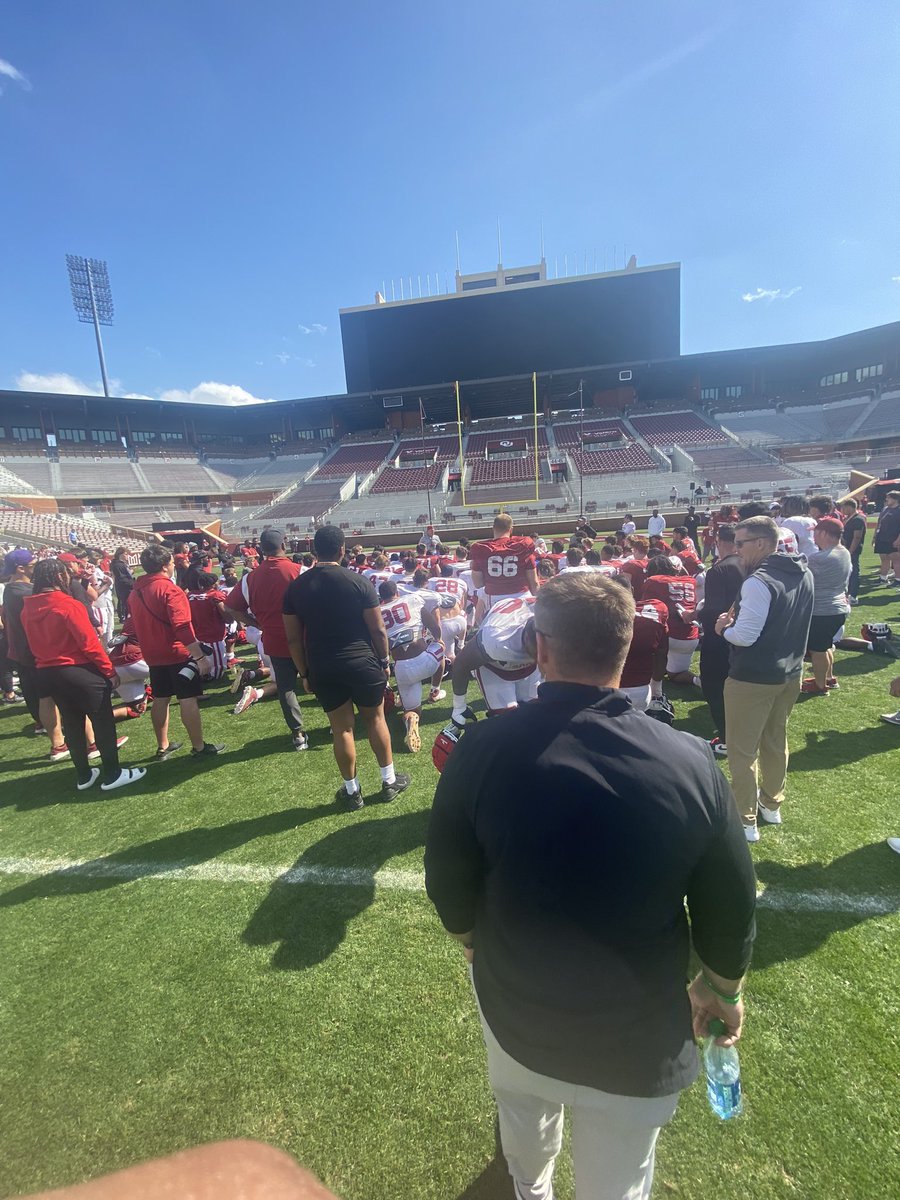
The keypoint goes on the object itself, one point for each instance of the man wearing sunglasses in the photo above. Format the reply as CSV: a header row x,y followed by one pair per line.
x,y
767,627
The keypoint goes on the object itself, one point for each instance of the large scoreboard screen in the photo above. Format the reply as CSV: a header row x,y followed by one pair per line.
x,y
629,316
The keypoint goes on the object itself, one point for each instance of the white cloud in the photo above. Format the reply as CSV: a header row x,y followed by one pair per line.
x,y
60,383
259,362
68,385
283,357
770,294
314,328
895,279
8,71
212,393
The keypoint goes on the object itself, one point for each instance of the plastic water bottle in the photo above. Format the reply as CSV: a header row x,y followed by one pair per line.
x,y
723,1074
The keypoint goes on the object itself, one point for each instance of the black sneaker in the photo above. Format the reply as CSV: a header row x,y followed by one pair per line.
x,y
467,715
390,791
347,802
162,755
208,748
300,740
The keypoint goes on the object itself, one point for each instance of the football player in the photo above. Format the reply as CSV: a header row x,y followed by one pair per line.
x,y
407,617
668,582
505,565
502,658
453,620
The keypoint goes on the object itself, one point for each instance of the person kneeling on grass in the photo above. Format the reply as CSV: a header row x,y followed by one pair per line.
x,y
73,668
178,666
406,620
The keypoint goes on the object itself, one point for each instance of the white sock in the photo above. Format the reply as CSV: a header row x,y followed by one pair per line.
x,y
351,786
388,775
460,704
656,688
259,693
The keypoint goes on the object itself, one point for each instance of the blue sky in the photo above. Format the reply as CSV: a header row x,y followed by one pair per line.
x,y
247,170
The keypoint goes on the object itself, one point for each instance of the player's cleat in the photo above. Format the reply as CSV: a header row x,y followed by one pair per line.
x,y
300,741
751,833
412,739
811,688
249,696
718,747
769,816
467,714
891,718
12,698
94,753
165,751
390,791
241,679
347,802
660,709
436,694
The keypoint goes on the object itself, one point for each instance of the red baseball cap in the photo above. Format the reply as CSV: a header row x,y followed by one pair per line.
x,y
831,525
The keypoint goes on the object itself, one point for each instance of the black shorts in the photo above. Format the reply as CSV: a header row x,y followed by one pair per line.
x,y
822,631
362,681
884,546
165,682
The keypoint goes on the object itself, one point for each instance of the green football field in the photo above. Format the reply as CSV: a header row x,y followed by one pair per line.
x,y
219,952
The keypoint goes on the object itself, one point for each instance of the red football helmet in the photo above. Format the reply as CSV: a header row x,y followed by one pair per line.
x,y
390,701
876,631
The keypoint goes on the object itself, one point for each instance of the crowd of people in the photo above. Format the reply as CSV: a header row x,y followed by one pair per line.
x,y
544,821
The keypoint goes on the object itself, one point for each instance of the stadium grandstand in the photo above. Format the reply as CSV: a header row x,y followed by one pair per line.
x,y
650,424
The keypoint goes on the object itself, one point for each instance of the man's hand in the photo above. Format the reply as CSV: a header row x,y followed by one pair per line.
x,y
706,1005
895,687
724,621
306,685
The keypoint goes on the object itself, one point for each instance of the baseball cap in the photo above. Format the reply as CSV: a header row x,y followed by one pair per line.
x,y
774,504
270,541
832,525
16,558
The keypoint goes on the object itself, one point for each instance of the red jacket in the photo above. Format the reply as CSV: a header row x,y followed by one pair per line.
x,y
162,620
60,633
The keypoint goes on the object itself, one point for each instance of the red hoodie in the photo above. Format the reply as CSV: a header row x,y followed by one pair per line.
x,y
162,620
60,633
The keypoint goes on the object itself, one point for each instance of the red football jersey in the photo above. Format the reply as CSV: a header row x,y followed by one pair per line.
x,y
692,563
503,562
650,634
635,571
209,624
679,594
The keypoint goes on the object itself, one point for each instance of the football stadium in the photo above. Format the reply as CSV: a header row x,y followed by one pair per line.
x,y
222,950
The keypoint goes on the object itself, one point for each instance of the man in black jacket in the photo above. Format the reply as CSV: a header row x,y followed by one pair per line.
x,y
722,585
564,838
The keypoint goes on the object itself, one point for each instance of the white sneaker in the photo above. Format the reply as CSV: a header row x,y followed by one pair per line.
x,y
771,816
894,844
891,718
436,694
751,833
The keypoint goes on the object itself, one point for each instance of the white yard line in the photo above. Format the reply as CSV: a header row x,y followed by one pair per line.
x,y
215,871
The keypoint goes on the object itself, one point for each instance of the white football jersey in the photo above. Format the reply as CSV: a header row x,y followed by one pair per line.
x,y
402,616
457,588
500,635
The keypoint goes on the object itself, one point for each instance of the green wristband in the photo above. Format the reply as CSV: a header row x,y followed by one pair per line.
x,y
722,996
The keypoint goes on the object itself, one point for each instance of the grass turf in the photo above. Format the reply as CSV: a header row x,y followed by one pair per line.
x,y
143,1016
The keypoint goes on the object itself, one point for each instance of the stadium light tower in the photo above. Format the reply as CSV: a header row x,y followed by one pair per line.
x,y
92,297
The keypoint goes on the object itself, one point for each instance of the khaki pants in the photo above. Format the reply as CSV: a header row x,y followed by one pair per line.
x,y
756,717
613,1137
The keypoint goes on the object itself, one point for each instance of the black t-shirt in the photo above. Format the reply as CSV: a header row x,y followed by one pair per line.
x,y
888,528
692,524
722,587
850,527
330,602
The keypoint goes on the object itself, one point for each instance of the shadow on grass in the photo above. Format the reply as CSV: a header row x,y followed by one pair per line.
x,y
495,1181
826,748
306,924
147,859
786,935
